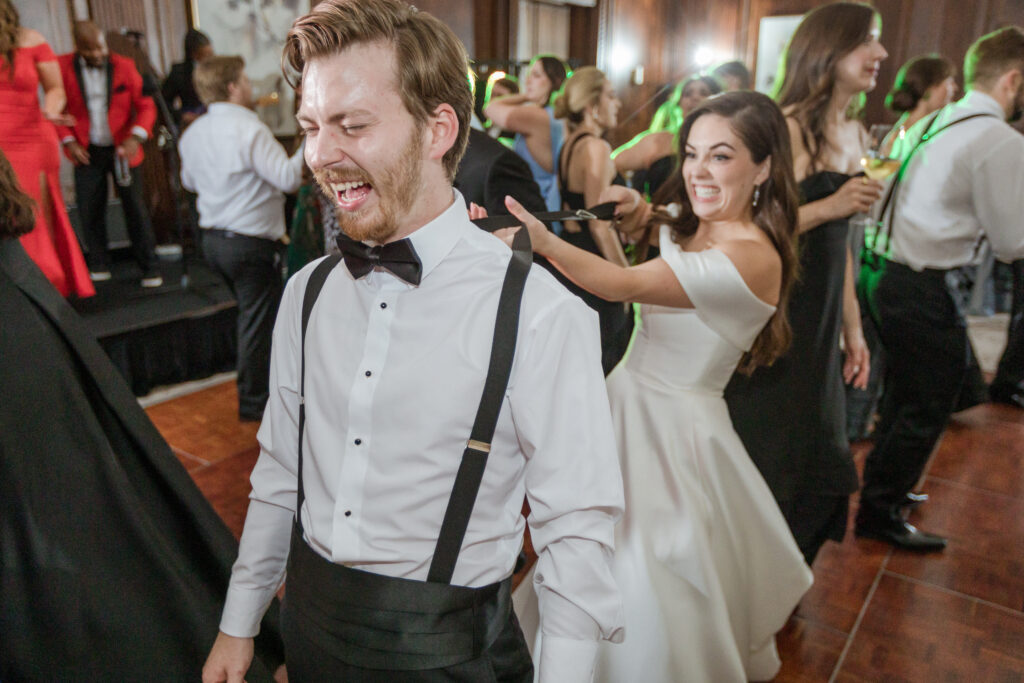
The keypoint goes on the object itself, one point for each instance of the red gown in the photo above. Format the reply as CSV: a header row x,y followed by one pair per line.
x,y
30,143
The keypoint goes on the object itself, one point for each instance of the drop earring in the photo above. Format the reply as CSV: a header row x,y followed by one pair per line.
x,y
757,194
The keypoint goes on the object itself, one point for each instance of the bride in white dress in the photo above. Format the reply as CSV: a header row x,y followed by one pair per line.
x,y
707,566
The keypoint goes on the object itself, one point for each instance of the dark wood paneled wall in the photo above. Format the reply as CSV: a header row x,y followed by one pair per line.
x,y
667,32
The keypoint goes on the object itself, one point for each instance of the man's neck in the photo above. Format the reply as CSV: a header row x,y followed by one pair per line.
x,y
1005,106
433,202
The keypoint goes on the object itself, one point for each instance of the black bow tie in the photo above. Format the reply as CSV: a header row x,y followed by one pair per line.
x,y
398,257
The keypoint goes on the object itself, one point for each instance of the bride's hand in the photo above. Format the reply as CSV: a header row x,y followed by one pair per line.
x,y
540,236
627,200
476,211
630,208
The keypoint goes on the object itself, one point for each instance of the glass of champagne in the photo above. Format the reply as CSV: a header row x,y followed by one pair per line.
x,y
876,162
877,165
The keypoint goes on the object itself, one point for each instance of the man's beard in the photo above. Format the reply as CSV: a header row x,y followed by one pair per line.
x,y
396,188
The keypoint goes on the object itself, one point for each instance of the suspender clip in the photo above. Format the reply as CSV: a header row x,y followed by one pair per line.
x,y
479,446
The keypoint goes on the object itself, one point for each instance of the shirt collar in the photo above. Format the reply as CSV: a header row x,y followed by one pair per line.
x,y
983,102
230,108
435,240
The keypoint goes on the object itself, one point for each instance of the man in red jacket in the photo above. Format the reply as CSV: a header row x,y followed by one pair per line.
x,y
112,119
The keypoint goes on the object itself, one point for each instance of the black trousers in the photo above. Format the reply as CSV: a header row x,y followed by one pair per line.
x,y
1009,377
91,193
924,331
252,268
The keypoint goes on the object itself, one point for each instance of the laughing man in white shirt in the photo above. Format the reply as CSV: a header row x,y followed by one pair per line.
x,y
395,359
960,186
240,172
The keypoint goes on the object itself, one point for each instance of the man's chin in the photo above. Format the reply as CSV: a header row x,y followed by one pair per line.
x,y
366,230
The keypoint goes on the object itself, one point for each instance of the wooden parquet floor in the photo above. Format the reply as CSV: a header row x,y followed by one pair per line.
x,y
873,614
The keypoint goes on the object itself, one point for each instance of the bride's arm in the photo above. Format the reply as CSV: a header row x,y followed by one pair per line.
x,y
649,283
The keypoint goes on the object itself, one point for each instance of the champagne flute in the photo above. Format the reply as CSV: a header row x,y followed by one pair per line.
x,y
877,165
876,162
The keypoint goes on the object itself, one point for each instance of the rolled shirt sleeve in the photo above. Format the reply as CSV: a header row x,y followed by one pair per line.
x,y
574,487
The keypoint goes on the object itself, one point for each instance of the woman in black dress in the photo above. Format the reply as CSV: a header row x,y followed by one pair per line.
x,y
791,416
589,106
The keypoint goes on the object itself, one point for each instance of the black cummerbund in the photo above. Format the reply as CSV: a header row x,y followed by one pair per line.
x,y
380,622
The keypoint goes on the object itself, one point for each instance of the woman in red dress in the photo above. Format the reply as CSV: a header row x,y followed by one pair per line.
x,y
29,139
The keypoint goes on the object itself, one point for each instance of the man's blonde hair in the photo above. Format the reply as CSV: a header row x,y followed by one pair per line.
x,y
213,75
579,92
431,61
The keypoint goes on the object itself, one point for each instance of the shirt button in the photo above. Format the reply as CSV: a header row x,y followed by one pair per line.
x,y
348,513
358,441
368,373
383,305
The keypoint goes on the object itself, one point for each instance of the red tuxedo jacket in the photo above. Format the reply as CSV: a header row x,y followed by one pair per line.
x,y
126,105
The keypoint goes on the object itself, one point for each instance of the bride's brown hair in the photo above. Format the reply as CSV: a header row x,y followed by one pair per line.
x,y
17,217
760,126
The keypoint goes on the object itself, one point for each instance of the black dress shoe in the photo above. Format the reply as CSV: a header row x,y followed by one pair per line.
x,y
1011,396
896,531
913,500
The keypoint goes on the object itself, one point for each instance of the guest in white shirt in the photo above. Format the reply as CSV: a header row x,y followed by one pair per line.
x,y
392,371
960,186
240,171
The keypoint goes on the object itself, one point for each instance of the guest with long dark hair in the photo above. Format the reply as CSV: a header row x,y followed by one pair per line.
x,y
178,88
791,415
708,568
29,140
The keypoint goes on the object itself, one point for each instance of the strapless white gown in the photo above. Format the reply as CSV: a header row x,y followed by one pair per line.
x,y
708,568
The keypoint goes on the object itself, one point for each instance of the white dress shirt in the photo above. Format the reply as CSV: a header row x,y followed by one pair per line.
x,y
394,374
94,86
239,170
965,183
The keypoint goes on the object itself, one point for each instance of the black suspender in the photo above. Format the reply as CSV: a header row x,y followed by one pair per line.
x,y
474,457
313,286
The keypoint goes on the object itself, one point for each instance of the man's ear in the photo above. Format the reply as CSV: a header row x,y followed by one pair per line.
x,y
443,129
765,171
1009,83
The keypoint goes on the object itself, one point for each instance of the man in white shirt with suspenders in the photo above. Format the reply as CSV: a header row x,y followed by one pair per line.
x,y
956,187
399,552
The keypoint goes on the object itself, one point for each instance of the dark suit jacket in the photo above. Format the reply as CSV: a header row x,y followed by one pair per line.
x,y
126,105
110,538
489,170
179,86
